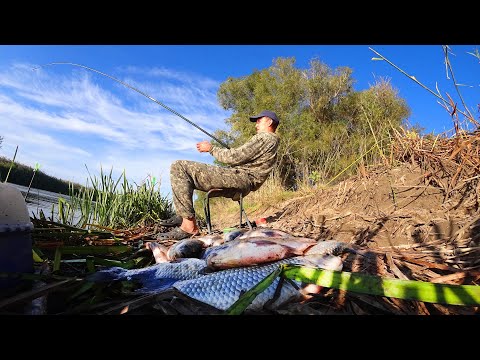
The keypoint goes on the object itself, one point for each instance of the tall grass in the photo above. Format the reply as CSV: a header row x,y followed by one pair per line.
x,y
269,194
448,104
114,204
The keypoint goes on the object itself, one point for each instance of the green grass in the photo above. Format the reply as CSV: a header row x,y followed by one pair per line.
x,y
114,203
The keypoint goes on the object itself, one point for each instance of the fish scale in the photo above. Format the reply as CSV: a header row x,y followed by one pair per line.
x,y
154,278
222,288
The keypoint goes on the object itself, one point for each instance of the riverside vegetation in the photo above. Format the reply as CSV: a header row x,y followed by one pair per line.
x,y
344,154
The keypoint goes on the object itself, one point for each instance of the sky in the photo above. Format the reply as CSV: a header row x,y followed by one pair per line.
x,y
69,119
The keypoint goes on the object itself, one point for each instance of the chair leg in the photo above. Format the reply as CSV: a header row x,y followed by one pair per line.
x,y
240,202
206,209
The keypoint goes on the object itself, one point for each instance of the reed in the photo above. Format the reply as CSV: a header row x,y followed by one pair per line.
x,y
11,164
114,203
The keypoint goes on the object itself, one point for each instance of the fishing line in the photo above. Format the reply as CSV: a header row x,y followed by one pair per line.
x,y
141,92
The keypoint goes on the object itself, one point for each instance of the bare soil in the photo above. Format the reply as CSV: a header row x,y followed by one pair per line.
x,y
384,208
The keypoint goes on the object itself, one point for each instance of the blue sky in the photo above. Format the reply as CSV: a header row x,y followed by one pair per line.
x,y
65,117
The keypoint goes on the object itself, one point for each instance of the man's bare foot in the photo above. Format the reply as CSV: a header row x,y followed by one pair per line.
x,y
190,226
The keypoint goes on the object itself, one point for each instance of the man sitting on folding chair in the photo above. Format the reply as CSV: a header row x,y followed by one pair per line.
x,y
248,167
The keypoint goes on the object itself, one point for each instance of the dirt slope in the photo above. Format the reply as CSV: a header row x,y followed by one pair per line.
x,y
387,207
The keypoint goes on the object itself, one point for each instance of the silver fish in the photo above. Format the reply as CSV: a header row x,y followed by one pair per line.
x,y
221,289
270,233
187,248
229,236
156,277
211,240
159,251
328,247
255,251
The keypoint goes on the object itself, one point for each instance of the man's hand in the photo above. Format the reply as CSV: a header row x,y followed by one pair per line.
x,y
204,146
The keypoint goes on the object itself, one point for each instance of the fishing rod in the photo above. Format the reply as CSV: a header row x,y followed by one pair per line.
x,y
141,92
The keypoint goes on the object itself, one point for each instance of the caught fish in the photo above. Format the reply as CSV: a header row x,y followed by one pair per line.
x,y
211,240
270,233
155,277
187,248
222,288
328,247
219,289
254,251
159,251
229,236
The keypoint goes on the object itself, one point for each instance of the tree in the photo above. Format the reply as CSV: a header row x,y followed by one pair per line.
x,y
1,140
324,123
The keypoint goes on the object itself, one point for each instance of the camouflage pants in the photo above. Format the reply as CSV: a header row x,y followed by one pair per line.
x,y
185,176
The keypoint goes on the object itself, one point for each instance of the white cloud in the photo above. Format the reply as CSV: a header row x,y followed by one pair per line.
x,y
182,77
66,119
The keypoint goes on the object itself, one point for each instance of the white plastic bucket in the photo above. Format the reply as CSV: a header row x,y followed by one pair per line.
x,y
15,235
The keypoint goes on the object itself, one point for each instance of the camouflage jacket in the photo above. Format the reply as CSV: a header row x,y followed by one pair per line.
x,y
257,157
